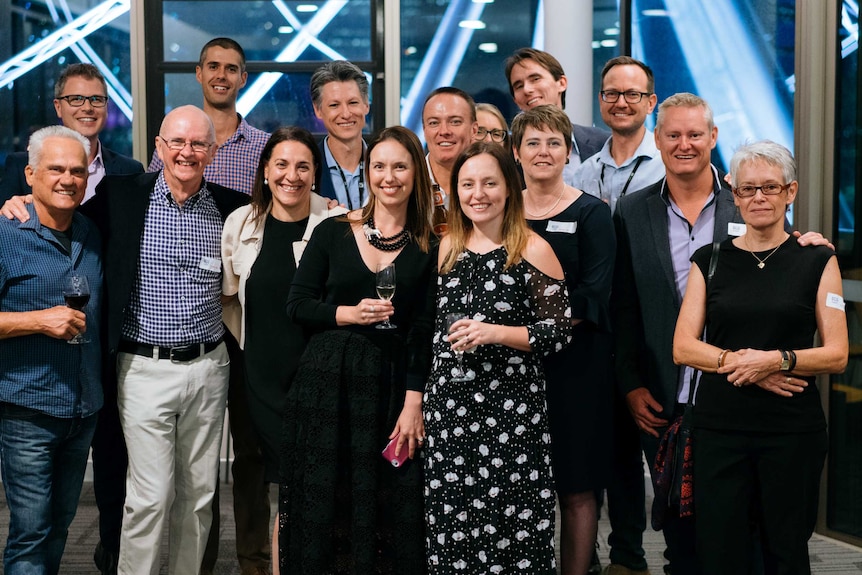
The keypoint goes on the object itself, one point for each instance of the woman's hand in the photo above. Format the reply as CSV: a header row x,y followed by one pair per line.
x,y
367,312
468,334
748,366
410,424
782,384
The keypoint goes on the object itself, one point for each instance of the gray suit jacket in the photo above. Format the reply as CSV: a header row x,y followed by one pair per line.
x,y
644,301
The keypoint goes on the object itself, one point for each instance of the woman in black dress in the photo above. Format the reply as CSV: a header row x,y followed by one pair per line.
x,y
580,230
261,247
759,429
343,508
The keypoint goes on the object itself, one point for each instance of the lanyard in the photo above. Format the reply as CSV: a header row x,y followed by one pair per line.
x,y
344,181
631,175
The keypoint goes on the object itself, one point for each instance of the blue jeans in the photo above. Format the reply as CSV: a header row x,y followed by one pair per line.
x,y
42,459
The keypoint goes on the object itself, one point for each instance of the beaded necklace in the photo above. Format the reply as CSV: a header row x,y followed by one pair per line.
x,y
390,244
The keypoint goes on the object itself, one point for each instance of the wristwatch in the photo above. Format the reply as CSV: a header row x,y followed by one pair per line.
x,y
785,361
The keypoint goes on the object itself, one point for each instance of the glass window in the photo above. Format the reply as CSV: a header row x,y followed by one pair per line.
x,y
270,31
464,44
285,102
750,88
27,89
844,493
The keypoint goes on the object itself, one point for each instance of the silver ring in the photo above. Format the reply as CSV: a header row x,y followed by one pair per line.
x,y
373,309
787,379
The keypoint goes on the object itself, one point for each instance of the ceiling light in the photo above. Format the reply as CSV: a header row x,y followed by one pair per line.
x,y
488,47
472,24
306,8
285,29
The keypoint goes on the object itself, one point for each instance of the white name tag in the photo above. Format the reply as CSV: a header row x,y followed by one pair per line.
x,y
562,227
735,230
834,300
210,264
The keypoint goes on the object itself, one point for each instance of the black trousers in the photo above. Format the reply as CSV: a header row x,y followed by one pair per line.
x,y
772,480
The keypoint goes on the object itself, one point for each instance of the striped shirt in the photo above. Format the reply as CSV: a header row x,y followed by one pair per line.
x,y
175,298
235,161
37,371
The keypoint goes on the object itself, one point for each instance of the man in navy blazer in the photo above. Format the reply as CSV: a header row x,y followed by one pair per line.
x,y
536,78
80,100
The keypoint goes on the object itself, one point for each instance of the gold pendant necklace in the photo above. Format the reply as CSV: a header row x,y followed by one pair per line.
x,y
761,263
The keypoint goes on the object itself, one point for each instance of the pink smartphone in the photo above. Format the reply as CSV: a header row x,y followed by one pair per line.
x,y
389,452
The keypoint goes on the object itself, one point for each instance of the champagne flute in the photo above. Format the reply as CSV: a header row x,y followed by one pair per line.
x,y
459,374
386,289
76,293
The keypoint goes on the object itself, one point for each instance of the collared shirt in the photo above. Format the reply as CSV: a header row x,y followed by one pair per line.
x,y
175,298
38,371
601,177
685,239
235,162
573,164
353,197
96,171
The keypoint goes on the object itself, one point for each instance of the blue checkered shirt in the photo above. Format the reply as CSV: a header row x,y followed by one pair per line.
x,y
38,371
235,161
175,298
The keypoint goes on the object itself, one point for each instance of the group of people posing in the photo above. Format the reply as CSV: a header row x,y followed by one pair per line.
x,y
422,400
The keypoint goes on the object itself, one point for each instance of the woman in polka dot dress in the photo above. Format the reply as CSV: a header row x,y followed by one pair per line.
x,y
489,495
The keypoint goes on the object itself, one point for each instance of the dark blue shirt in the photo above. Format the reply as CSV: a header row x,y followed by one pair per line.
x,y
38,371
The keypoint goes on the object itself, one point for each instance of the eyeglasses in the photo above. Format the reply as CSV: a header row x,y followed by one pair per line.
x,y
631,96
496,135
767,189
177,144
77,100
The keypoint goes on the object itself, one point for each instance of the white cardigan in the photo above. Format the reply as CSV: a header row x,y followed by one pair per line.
x,y
241,240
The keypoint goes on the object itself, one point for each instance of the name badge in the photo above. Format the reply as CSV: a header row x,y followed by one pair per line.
x,y
562,227
735,229
835,301
210,264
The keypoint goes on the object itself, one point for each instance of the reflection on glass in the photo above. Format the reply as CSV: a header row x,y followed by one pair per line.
x,y
287,102
844,471
270,30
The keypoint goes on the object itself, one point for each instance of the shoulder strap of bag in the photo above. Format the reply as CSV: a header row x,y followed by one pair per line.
x,y
713,263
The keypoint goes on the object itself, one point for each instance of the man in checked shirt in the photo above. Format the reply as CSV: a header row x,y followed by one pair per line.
x,y
222,74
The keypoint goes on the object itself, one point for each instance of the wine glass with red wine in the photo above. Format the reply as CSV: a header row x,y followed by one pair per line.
x,y
76,292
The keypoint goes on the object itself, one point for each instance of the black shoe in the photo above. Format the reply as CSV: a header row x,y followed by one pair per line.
x,y
106,562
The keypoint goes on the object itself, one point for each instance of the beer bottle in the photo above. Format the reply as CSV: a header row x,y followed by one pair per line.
x,y
438,216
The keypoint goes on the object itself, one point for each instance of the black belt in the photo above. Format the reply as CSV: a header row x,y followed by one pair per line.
x,y
180,353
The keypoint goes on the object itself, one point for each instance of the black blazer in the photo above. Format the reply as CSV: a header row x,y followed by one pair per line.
x,y
119,209
644,300
589,140
14,183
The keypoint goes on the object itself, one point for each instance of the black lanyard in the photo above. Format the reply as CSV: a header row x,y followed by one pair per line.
x,y
631,175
